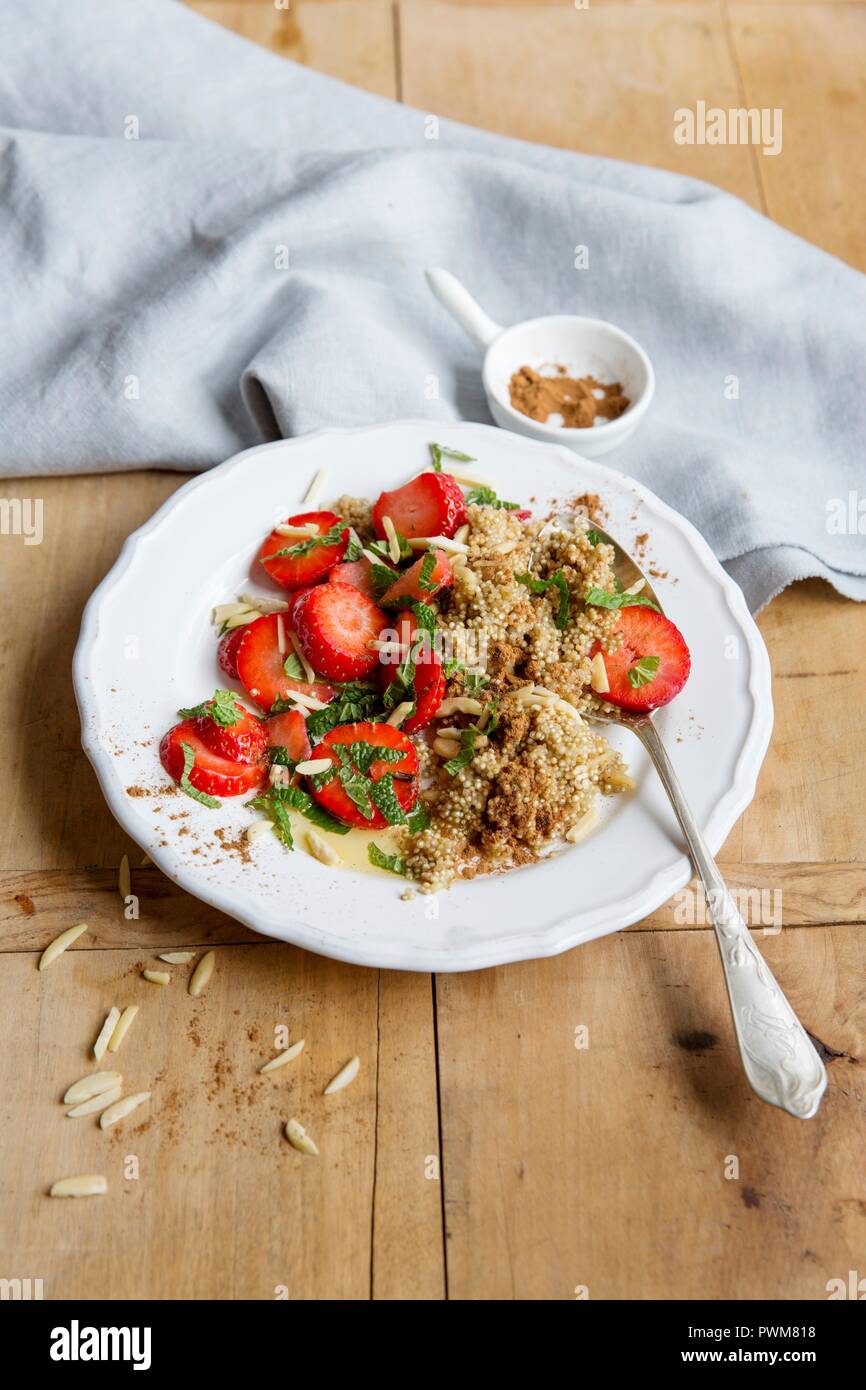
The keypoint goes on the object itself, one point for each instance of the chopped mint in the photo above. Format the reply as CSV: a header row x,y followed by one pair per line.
x,y
383,548
299,800
187,786
385,800
425,576
466,754
643,671
280,755
380,860
426,616
474,681
600,598
540,586
418,820
486,497
330,537
354,549
222,709
381,577
594,537
440,451
293,668
452,666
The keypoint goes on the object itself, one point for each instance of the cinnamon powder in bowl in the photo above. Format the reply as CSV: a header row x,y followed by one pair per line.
x,y
580,402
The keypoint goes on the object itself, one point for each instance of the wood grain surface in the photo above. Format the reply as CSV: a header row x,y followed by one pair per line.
x,y
557,1129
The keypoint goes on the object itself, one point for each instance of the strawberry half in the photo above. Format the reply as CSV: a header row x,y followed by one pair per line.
x,y
242,742
650,666
289,731
333,794
211,773
430,505
428,689
357,573
409,587
293,563
335,624
227,652
260,664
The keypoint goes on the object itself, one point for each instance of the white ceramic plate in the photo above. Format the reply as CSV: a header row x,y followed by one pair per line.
x,y
147,648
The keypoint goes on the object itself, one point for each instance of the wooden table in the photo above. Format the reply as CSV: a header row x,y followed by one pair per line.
x,y
480,1154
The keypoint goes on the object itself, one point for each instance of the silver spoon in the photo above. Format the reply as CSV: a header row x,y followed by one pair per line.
x,y
781,1065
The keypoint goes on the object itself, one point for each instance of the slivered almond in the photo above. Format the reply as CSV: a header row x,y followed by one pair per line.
x,y
302,531
105,1033
371,556
282,1057
621,779
636,587
122,1108
445,543
60,943
386,648
257,830
314,491
241,619
345,1076
156,977
299,1138
401,712
224,611
309,673
321,850
95,1104
598,675
281,635
304,701
201,974
145,861
459,704
311,766
461,535
446,747
124,1023
92,1085
124,878
177,957
392,538
265,606
279,776
87,1185
469,480
588,821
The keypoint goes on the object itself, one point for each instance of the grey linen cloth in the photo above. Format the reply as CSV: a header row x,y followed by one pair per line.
x,y
251,266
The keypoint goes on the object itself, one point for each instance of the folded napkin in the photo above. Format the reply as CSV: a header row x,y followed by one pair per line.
x,y
202,246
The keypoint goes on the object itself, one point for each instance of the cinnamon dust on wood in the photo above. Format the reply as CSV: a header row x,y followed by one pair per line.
x,y
578,400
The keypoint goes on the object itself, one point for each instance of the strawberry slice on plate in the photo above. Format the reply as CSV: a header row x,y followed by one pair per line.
x,y
289,731
421,581
430,505
335,624
229,729
227,652
351,792
650,666
357,573
427,688
210,773
261,664
294,562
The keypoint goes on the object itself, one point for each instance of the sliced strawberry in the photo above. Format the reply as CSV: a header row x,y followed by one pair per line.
x,y
646,634
293,599
211,772
227,652
335,624
289,731
523,514
358,573
428,688
333,795
430,505
242,742
408,588
309,562
260,664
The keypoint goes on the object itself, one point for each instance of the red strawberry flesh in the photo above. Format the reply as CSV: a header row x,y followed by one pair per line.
x,y
310,563
260,664
408,589
242,742
211,773
645,633
430,505
336,799
335,625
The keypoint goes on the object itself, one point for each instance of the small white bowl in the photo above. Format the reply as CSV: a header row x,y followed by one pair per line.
x,y
585,347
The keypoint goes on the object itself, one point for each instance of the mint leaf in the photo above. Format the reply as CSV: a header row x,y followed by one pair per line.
x,y
222,708
486,497
354,549
440,451
540,586
643,671
426,616
292,667
418,820
186,785
385,800
425,576
355,786
279,754
331,537
381,577
466,754
299,800
600,598
452,666
380,860
278,816
474,681
383,548
594,537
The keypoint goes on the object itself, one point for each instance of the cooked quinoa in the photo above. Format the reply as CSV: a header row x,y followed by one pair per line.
x,y
539,773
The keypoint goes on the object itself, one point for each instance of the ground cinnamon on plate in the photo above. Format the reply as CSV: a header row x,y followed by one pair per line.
x,y
574,398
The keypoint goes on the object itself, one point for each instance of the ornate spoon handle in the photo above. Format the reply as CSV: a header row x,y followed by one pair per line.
x,y
780,1062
